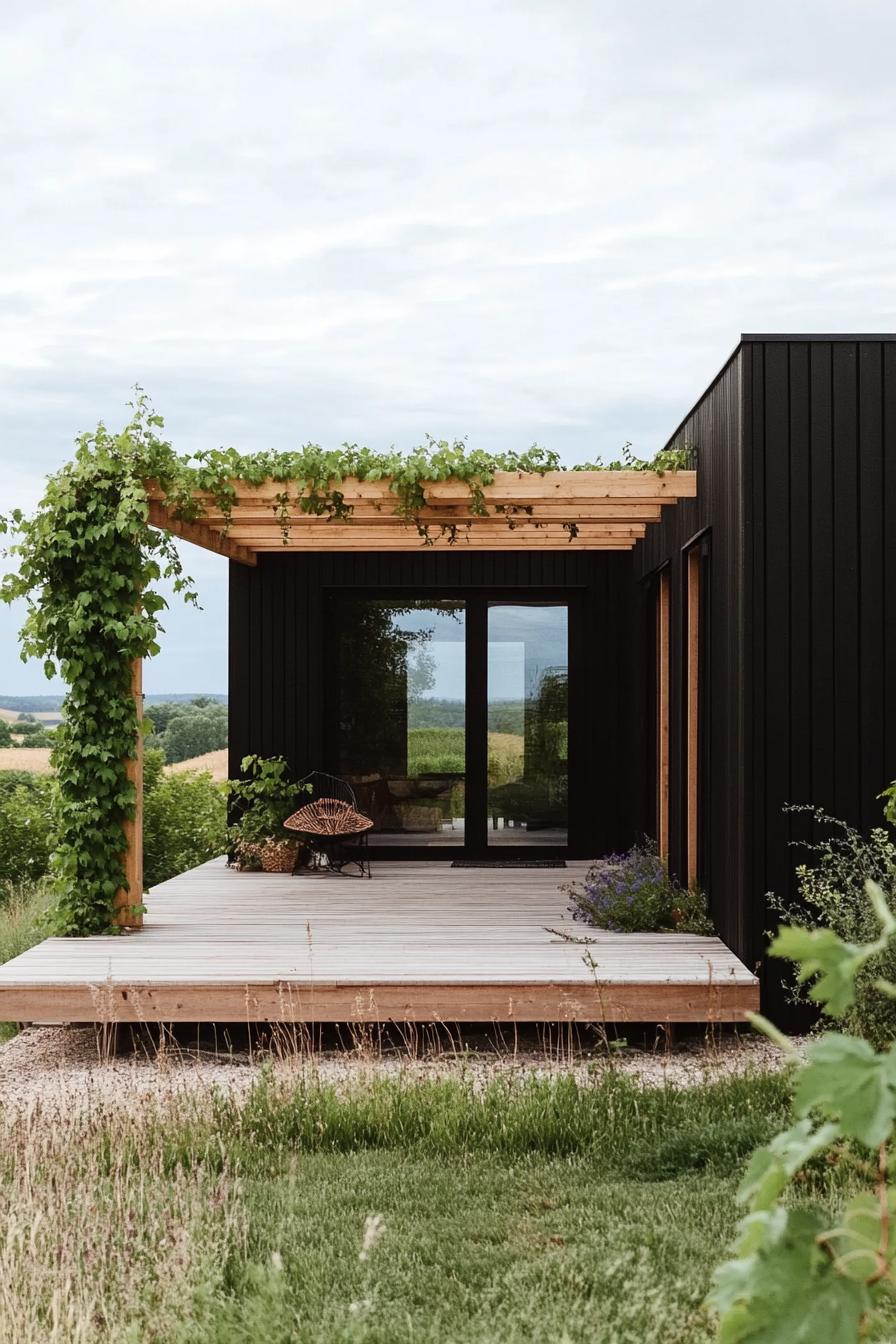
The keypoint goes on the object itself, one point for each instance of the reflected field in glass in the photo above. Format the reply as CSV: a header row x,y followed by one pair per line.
x,y
528,724
401,716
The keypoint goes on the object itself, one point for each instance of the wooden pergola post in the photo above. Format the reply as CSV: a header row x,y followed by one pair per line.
x,y
127,897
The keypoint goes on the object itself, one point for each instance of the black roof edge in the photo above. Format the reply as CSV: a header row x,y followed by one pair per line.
x,y
704,394
751,337
818,336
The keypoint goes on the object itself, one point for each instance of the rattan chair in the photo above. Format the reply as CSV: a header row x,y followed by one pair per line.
x,y
332,824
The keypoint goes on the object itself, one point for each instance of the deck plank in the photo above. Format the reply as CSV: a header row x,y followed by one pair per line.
x,y
421,941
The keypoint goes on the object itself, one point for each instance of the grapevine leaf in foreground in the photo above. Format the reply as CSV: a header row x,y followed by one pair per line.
x,y
864,1247
771,1168
786,1289
849,1082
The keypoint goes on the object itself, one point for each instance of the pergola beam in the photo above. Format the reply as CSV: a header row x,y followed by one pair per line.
x,y
508,486
356,533
616,511
587,510
200,534
442,544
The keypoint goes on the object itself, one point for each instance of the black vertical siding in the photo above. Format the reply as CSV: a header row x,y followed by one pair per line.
x,y
888,437
796,449
715,429
278,659
824,429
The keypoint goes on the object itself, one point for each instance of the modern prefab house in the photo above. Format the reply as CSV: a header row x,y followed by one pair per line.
x,y
598,656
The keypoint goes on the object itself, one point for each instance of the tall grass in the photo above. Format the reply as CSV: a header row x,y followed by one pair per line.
x,y
526,1210
22,907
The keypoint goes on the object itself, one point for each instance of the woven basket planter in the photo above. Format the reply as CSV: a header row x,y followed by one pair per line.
x,y
277,856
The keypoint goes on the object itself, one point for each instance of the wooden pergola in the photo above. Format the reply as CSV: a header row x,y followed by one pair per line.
x,y
584,510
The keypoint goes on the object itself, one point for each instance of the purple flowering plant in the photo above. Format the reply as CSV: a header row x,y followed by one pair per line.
x,y
633,893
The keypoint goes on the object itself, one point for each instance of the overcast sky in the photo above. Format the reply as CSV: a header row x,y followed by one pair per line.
x,y
515,222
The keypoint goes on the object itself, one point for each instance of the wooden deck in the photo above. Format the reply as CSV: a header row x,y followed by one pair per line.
x,y
420,942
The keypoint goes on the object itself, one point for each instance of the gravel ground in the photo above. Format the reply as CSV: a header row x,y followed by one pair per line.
x,y
68,1067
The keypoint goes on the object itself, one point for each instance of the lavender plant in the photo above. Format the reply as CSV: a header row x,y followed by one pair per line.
x,y
633,893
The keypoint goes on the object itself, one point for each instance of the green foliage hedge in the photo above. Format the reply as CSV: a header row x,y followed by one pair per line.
x,y
184,824
26,807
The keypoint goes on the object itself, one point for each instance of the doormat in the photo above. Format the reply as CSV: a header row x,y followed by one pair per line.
x,y
509,863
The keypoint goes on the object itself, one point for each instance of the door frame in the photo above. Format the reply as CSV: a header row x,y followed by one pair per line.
x,y
476,604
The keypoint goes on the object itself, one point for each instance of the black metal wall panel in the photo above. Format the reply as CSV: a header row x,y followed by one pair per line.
x,y
278,636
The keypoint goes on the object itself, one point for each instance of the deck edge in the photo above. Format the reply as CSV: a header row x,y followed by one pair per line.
x,y
291,1003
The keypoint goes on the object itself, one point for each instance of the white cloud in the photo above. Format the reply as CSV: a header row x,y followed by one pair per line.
x,y
508,220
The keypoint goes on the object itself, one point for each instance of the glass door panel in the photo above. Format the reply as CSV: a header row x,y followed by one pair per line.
x,y
528,724
400,722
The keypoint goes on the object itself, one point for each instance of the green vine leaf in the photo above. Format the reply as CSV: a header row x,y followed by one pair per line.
x,y
862,1243
823,954
785,1288
771,1168
849,1082
833,963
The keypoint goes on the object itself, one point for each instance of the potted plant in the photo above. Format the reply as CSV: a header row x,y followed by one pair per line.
x,y
267,796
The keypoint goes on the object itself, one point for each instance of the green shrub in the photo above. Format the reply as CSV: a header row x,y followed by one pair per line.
x,y
153,768
26,804
23,779
267,795
5,734
833,896
821,1272
27,728
184,824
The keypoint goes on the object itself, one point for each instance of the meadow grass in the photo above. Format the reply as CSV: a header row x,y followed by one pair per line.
x,y
22,907
399,1210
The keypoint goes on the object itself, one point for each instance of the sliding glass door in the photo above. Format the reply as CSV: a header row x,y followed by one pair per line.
x,y
450,718
528,724
400,722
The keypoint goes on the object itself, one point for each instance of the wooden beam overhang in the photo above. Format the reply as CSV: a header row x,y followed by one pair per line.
x,y
200,533
579,510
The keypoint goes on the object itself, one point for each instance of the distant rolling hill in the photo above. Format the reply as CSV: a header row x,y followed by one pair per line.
x,y
36,760
46,704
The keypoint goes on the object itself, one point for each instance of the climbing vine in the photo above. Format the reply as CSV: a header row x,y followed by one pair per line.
x,y
87,561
